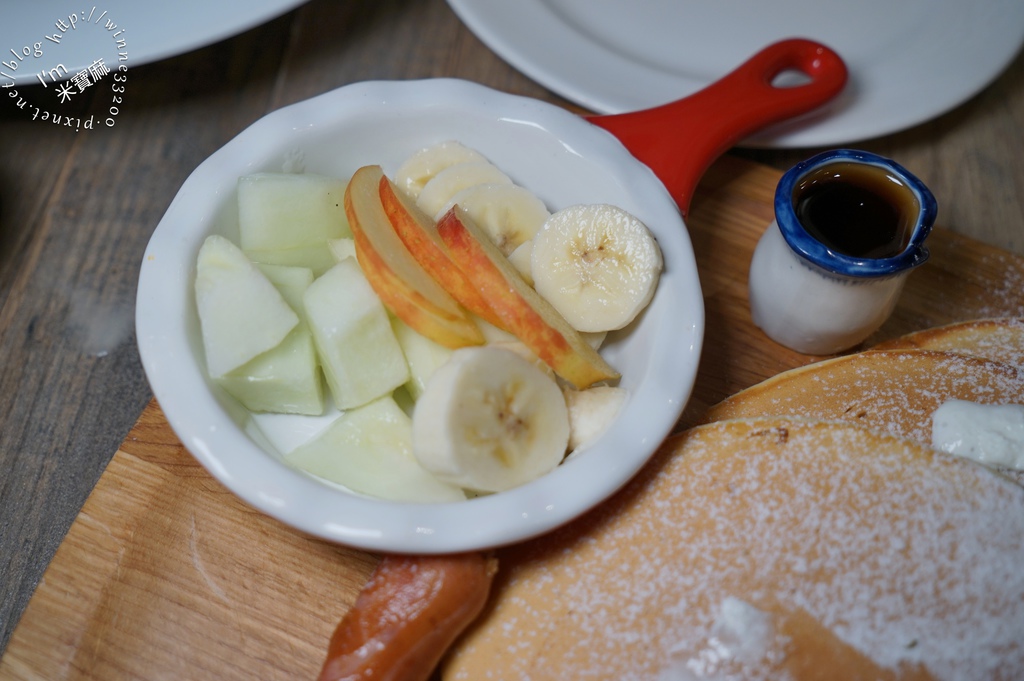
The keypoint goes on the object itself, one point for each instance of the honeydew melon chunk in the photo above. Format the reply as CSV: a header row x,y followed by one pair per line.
x,y
360,355
422,354
291,281
342,248
241,313
287,378
281,434
404,400
369,450
283,211
317,257
283,380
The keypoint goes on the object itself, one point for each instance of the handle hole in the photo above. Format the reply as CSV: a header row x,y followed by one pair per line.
x,y
788,78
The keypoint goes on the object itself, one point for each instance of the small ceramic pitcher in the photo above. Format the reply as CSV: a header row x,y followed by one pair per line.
x,y
849,226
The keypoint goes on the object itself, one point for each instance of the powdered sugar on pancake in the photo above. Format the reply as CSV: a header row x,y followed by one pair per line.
x,y
892,390
1001,340
898,555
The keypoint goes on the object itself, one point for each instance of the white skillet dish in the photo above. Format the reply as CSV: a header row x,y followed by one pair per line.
x,y
559,156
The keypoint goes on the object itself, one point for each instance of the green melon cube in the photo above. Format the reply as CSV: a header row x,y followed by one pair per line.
x,y
241,313
369,450
360,356
283,211
283,380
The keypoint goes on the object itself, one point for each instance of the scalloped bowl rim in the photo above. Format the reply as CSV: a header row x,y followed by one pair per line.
x,y
541,146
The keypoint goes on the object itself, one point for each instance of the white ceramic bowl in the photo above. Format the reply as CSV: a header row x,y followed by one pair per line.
x,y
559,156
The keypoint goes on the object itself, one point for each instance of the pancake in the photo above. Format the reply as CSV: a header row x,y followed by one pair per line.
x,y
771,548
892,390
1001,340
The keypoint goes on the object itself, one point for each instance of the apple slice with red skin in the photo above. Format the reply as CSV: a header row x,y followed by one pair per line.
x,y
418,232
395,275
524,312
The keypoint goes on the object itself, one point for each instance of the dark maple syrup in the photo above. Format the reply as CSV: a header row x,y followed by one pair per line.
x,y
859,210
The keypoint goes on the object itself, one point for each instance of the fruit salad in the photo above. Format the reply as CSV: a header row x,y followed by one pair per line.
x,y
441,328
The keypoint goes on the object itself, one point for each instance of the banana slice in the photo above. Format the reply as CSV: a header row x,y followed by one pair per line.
x,y
596,264
520,259
421,167
510,214
591,411
594,339
489,420
450,181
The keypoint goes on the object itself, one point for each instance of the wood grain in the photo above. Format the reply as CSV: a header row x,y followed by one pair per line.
x,y
77,213
76,210
167,575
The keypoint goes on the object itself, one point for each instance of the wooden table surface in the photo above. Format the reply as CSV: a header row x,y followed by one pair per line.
x,y
76,211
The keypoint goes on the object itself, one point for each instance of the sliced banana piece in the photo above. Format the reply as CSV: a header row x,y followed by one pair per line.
x,y
444,185
489,420
596,264
591,411
520,259
421,167
594,339
510,214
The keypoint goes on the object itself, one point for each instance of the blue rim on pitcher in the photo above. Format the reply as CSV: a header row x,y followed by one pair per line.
x,y
817,253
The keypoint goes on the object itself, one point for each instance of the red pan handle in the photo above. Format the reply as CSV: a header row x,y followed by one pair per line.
x,y
679,140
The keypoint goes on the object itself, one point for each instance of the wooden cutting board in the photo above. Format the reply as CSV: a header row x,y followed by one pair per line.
x,y
165,575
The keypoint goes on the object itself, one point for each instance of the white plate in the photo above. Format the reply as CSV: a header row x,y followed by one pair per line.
x,y
909,60
559,156
151,30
